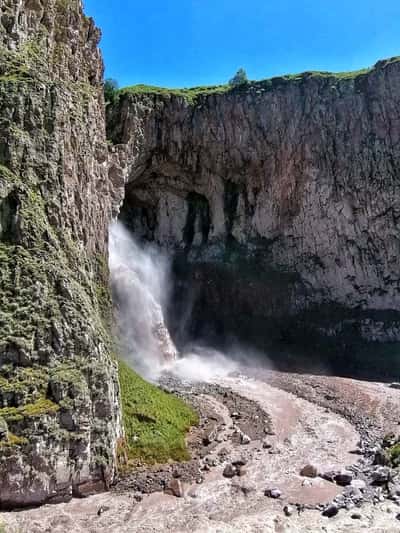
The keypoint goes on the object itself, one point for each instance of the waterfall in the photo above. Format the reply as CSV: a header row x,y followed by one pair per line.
x,y
140,285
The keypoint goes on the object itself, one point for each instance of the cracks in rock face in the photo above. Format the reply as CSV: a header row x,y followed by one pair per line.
x,y
198,221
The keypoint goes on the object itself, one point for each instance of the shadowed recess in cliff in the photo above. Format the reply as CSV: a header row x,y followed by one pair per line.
x,y
278,203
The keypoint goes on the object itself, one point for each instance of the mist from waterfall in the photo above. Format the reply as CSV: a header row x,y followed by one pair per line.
x,y
141,286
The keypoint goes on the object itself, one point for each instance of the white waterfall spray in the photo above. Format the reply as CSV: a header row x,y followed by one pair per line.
x,y
140,278
140,285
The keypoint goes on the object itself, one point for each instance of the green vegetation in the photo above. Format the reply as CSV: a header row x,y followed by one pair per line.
x,y
394,453
155,422
12,441
191,95
39,408
110,90
239,78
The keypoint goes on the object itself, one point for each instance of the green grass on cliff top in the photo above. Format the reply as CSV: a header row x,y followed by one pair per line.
x,y
193,93
155,422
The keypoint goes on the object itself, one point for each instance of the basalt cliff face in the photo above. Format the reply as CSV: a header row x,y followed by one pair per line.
x,y
59,404
281,200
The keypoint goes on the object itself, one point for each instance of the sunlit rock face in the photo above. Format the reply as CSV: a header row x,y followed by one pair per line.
x,y
281,200
59,405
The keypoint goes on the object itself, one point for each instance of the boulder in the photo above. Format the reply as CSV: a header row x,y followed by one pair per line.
x,y
330,510
309,471
381,475
273,493
175,488
229,471
343,478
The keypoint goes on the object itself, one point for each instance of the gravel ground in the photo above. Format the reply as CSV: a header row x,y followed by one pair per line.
x,y
257,432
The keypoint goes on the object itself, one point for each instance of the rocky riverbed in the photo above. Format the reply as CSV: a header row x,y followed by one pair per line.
x,y
264,459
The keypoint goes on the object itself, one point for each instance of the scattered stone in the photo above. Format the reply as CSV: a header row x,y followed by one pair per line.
x,y
245,439
329,476
229,471
274,451
381,458
175,488
356,516
395,385
309,471
267,445
102,510
288,510
273,493
241,461
331,510
330,397
306,483
359,484
343,478
381,475
138,497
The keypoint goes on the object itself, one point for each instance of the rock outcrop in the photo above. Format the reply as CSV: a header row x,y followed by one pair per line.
x,y
59,399
281,199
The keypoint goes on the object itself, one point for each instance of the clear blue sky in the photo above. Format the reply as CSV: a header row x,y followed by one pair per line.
x,y
183,43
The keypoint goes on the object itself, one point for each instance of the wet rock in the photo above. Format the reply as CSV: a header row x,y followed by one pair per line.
x,y
331,510
245,439
343,478
329,475
381,475
288,510
229,471
175,488
395,385
210,435
309,471
273,493
240,461
381,458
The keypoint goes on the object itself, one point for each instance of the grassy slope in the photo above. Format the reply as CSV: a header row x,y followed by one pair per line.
x,y
191,94
155,422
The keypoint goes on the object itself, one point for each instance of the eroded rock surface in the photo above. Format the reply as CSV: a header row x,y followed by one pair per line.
x,y
281,196
59,406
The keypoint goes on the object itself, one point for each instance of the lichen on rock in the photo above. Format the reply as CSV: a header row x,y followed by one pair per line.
x,y
59,395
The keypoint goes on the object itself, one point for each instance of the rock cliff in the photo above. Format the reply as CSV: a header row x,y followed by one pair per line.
x,y
59,399
280,198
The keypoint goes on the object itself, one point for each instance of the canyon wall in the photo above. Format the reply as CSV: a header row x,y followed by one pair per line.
x,y
59,399
281,200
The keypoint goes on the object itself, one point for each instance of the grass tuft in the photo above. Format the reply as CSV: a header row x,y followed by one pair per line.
x,y
155,422
191,95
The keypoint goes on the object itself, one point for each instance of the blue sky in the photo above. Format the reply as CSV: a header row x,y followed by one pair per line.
x,y
184,43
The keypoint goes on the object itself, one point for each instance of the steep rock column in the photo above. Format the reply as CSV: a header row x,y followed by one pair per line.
x,y
59,395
